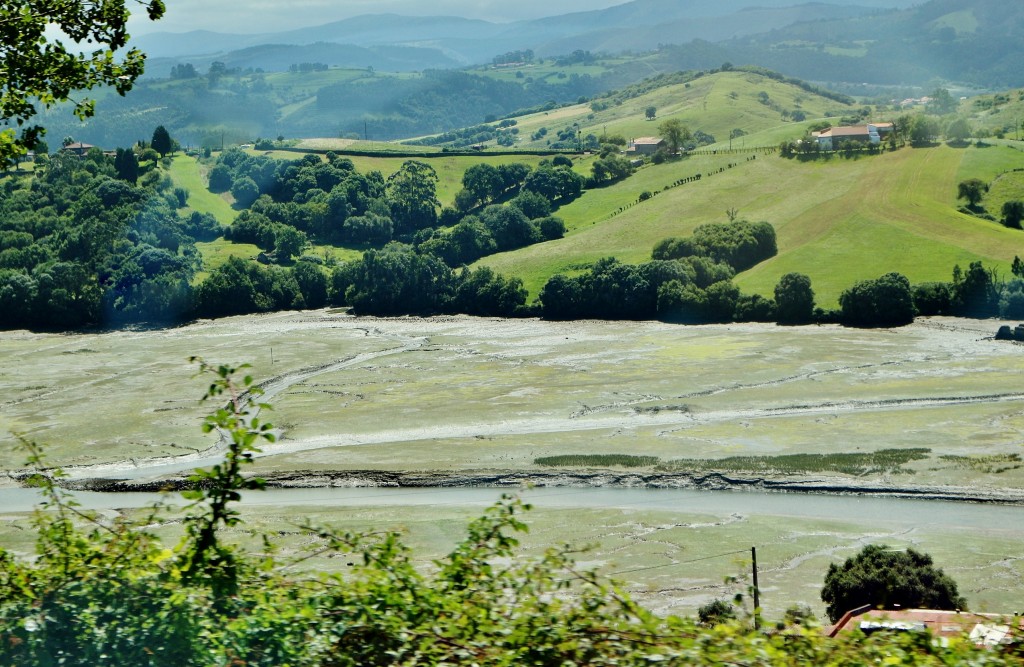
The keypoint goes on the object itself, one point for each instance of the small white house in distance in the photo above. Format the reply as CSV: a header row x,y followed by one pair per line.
x,y
871,133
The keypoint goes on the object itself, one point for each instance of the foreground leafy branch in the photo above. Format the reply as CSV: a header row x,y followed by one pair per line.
x,y
102,592
35,69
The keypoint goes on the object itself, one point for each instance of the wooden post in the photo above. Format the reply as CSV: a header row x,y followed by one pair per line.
x,y
757,593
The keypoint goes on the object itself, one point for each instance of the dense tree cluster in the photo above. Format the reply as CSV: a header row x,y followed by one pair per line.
x,y
293,202
484,183
398,280
81,244
503,133
885,301
739,244
613,290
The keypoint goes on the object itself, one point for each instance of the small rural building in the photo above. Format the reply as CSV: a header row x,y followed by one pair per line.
x,y
646,145
982,629
78,148
831,138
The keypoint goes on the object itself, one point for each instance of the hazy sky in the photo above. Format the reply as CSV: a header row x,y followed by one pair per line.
x,y
257,16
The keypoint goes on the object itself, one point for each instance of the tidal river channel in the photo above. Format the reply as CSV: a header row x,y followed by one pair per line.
x,y
919,513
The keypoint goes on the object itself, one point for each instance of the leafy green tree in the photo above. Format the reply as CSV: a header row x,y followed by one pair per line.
x,y
958,131
486,293
976,291
973,190
509,227
312,283
1013,213
932,298
396,280
881,577
923,130
127,165
1011,300
464,243
942,102
288,242
161,142
794,299
412,193
675,134
885,301
551,228
37,69
740,244
245,191
482,183
651,112
532,204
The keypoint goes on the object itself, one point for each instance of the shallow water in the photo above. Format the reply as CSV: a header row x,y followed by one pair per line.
x,y
918,513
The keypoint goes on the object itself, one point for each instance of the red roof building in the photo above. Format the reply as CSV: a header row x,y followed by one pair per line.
x,y
982,629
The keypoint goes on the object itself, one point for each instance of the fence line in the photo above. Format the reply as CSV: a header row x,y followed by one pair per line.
x,y
676,184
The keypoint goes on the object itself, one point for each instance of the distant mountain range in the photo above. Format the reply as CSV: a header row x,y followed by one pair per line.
x,y
446,41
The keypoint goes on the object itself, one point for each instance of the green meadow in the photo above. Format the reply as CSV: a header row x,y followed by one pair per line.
x,y
838,220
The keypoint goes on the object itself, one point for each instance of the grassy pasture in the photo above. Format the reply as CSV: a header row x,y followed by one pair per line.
x,y
838,220
188,173
713,104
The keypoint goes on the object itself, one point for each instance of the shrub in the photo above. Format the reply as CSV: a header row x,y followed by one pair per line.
x,y
882,577
886,301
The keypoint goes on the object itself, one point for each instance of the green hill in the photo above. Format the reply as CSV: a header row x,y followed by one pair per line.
x,y
715,104
838,221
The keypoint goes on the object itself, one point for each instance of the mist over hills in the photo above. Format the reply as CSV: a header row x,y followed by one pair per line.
x,y
392,77
639,25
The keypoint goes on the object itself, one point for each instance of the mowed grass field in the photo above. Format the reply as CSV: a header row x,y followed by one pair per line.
x,y
838,220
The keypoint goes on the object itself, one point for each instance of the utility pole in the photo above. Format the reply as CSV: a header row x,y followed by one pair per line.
x,y
757,593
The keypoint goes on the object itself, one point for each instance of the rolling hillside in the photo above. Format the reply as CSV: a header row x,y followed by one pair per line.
x,y
838,221
716,104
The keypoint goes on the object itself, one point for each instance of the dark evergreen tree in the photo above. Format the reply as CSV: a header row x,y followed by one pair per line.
x,y
161,142
882,577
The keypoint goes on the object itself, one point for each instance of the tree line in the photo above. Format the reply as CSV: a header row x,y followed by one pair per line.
x,y
88,240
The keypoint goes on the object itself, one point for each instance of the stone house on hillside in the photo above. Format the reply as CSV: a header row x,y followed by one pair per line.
x,y
871,133
645,145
